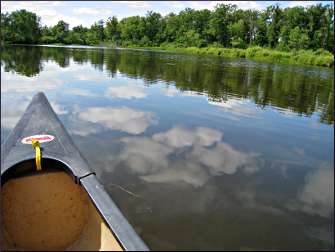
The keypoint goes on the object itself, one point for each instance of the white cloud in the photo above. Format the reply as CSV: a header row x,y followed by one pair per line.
x,y
59,110
80,92
210,5
300,3
57,3
177,4
126,92
223,159
81,128
136,4
48,79
88,11
76,70
29,5
173,91
14,105
245,5
187,172
93,76
236,107
317,195
43,9
72,21
180,137
149,159
93,11
287,113
207,136
120,9
144,155
12,108
124,119
170,91
48,12
23,84
206,156
191,93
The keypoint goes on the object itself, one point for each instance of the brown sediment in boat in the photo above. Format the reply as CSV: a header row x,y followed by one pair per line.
x,y
48,211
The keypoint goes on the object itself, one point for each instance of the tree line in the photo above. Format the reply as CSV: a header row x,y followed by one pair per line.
x,y
226,26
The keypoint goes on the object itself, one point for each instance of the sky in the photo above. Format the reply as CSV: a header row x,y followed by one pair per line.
x,y
88,12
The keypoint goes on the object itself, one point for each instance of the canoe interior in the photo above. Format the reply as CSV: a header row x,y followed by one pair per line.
x,y
46,210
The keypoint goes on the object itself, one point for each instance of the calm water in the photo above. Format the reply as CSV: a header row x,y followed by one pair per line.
x,y
218,154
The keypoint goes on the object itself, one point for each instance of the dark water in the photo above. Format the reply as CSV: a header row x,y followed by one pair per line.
x,y
219,154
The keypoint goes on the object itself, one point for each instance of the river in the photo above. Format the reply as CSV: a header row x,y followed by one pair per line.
x,y
198,152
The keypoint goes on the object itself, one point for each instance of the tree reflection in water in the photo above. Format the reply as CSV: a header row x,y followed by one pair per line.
x,y
301,90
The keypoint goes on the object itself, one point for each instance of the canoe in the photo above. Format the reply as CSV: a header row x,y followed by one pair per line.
x,y
50,198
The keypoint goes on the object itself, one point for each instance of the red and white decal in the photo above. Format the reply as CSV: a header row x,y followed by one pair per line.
x,y
40,138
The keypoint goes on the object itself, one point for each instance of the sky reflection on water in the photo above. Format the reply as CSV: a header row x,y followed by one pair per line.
x,y
222,154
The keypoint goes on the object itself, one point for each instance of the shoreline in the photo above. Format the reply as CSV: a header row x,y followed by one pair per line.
x,y
299,58
319,58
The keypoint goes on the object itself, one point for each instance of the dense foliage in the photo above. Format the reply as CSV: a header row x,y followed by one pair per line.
x,y
20,27
284,29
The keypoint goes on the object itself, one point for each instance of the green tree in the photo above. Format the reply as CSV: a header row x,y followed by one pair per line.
x,y
171,28
329,23
61,31
275,23
112,32
20,27
132,29
201,26
285,29
78,35
261,29
298,39
292,17
250,25
237,31
153,28
96,33
219,23
193,38
5,28
47,36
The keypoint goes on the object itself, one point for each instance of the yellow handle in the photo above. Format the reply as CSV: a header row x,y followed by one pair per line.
x,y
36,146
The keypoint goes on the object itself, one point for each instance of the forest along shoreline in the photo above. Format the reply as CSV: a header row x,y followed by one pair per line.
x,y
297,35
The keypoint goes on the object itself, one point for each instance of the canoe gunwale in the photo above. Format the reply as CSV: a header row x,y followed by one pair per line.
x,y
112,215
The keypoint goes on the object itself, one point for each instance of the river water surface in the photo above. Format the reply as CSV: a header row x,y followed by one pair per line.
x,y
198,152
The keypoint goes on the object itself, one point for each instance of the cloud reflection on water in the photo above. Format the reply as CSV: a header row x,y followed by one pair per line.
x,y
237,107
126,92
180,136
200,153
12,109
132,121
22,84
317,195
59,109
